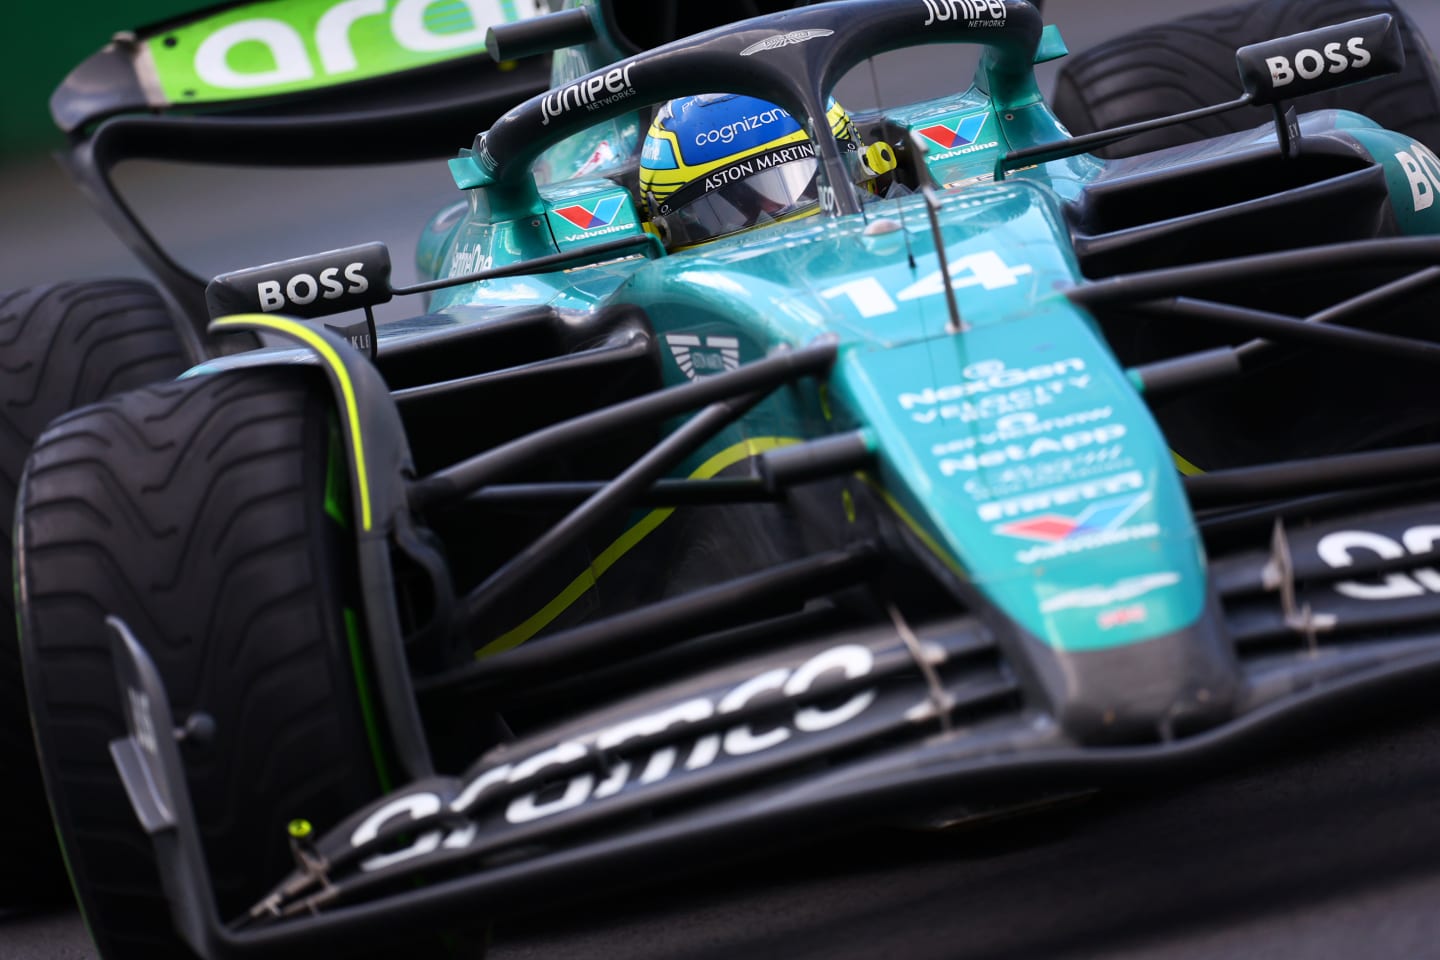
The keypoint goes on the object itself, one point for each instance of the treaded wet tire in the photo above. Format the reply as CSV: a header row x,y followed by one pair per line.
x,y
196,511
1190,63
61,346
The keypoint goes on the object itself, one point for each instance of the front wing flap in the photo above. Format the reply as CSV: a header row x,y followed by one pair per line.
x,y
853,726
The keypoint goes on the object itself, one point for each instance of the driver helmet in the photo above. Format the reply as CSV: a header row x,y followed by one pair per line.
x,y
718,164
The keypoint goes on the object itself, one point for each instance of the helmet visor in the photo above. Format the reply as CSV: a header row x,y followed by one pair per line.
x,y
731,202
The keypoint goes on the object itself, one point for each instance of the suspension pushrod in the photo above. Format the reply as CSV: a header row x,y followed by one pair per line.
x,y
705,610
629,345
452,483
1346,310
1085,143
779,469
686,654
592,253
1176,374
1175,281
615,497
665,493
1313,475
1275,326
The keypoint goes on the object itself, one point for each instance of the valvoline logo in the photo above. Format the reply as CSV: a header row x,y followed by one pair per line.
x,y
601,213
961,133
1101,517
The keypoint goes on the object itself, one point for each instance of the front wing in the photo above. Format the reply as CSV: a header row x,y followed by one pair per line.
x,y
1325,600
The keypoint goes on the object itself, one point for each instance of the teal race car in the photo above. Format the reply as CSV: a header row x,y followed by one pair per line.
x,y
964,470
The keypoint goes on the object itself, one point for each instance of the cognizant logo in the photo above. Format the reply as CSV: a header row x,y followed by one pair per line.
x,y
728,132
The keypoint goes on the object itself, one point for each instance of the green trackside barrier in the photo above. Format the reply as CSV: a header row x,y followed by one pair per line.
x,y
51,38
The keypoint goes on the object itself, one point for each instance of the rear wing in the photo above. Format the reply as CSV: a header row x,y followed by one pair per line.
x,y
286,83
328,83
283,56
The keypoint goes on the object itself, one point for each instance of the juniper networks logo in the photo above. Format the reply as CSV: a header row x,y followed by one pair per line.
x,y
599,214
973,13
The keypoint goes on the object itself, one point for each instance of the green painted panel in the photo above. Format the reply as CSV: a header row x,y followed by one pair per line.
x,y
284,46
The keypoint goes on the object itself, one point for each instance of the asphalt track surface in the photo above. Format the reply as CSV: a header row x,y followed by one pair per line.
x,y
1327,845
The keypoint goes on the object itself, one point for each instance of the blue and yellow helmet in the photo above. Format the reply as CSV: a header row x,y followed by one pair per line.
x,y
716,164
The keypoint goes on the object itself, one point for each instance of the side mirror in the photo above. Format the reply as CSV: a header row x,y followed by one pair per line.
x,y
351,278
543,34
1272,72
1323,59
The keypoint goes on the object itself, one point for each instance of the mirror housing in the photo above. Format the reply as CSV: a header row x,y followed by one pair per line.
x,y
543,34
319,285
1316,60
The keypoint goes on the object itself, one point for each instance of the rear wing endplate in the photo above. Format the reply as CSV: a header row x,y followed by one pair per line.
x,y
277,53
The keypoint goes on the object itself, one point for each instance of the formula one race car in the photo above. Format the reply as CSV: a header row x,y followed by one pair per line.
x,y
754,465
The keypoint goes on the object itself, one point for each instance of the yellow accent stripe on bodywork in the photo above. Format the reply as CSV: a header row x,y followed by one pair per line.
x,y
347,390
920,532
1186,467
611,554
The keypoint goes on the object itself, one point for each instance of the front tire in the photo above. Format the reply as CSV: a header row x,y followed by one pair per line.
x,y
61,346
207,514
1190,63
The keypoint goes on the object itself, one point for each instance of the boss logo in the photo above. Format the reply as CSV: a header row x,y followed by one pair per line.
x,y
1311,64
1422,169
306,287
302,289
1321,59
